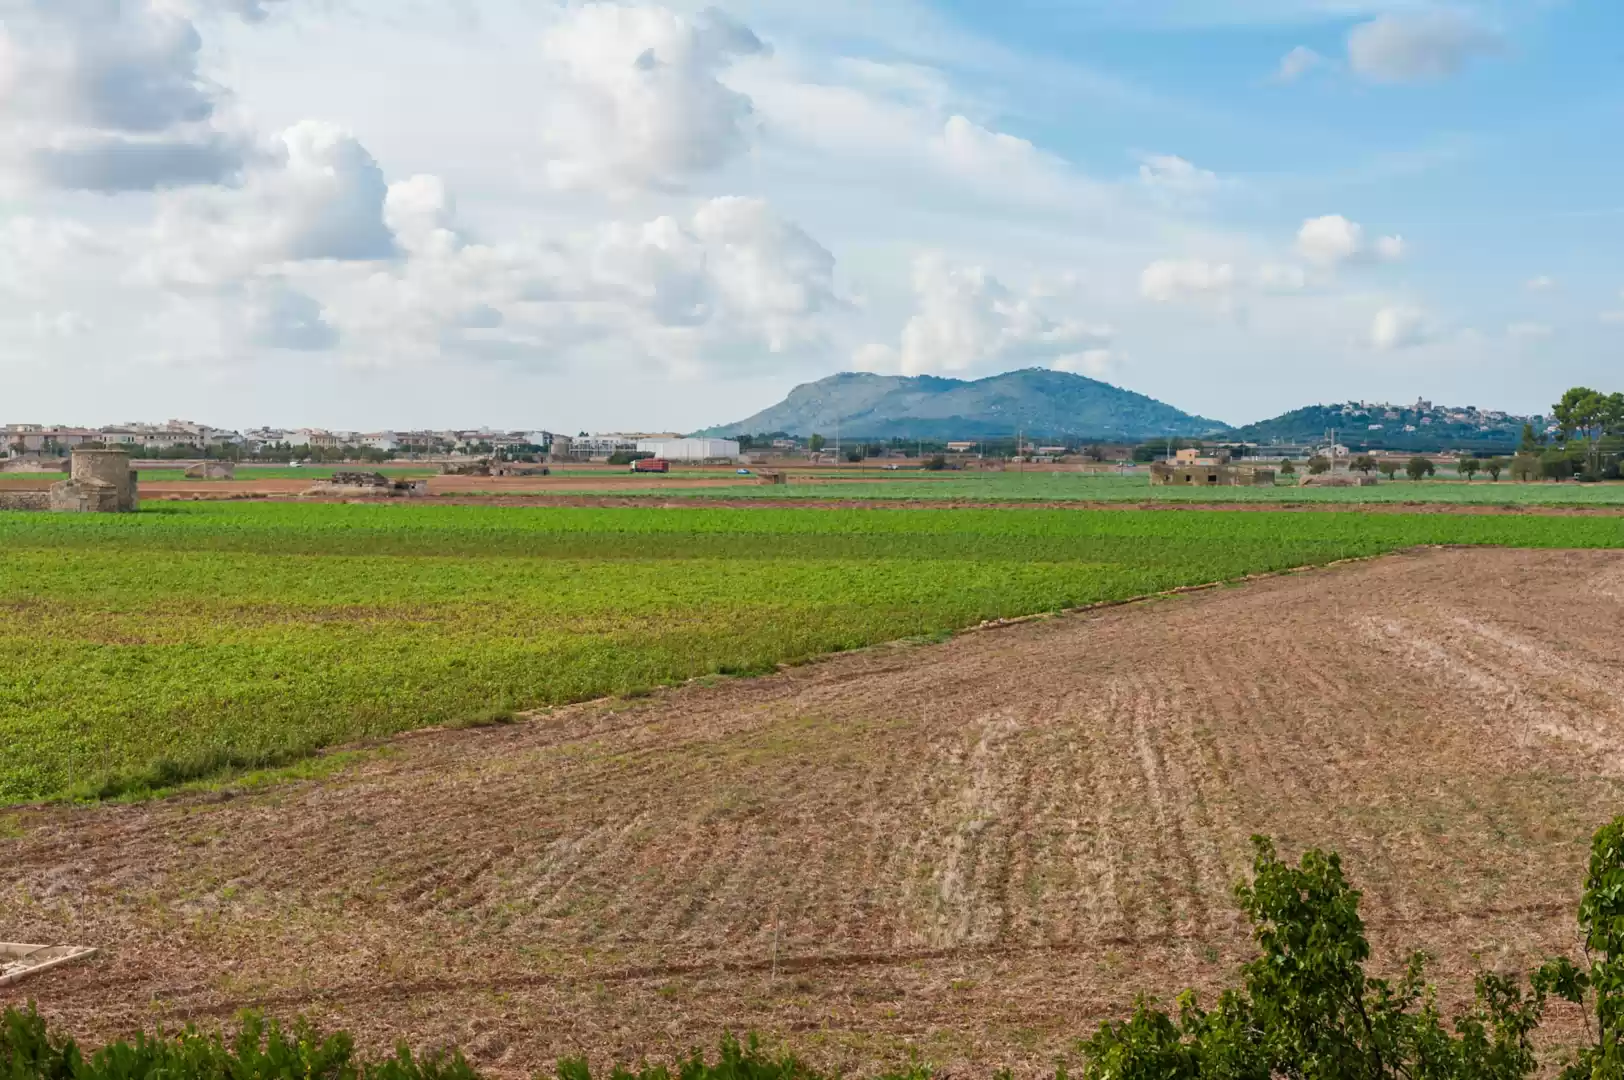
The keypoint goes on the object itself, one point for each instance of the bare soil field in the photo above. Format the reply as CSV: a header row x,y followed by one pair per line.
x,y
973,851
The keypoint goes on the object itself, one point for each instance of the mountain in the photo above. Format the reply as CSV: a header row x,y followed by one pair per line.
x,y
1040,402
1365,424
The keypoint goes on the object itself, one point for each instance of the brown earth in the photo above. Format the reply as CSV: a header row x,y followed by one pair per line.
x,y
975,850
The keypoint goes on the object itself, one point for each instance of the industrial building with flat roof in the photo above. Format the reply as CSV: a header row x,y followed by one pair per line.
x,y
690,450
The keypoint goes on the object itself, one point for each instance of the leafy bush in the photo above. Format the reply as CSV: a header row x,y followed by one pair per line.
x,y
1306,1007
261,1050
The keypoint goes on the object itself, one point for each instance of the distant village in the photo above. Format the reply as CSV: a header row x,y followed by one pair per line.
x,y
1384,416
184,438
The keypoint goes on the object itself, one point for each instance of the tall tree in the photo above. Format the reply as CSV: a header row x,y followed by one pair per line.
x,y
1583,411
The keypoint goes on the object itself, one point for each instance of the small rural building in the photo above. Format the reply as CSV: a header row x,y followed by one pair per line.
x,y
690,450
1189,468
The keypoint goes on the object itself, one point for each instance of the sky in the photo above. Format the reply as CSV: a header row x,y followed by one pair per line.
x,y
369,214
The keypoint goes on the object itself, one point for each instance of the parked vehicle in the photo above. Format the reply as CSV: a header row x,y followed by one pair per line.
x,y
653,464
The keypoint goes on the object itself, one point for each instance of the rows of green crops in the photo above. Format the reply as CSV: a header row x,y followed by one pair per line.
x,y
254,628
1088,487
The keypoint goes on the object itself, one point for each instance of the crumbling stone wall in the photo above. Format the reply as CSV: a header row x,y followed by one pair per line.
x,y
25,500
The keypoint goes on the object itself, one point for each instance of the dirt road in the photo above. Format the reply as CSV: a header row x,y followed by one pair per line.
x,y
976,849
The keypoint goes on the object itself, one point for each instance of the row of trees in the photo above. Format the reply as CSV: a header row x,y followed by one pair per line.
x,y
1417,468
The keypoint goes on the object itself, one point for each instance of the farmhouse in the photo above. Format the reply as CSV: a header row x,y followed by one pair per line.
x,y
1189,468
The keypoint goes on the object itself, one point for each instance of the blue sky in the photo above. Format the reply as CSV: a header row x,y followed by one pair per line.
x,y
369,213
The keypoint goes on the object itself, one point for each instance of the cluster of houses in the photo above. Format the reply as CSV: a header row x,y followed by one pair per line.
x,y
1385,416
46,439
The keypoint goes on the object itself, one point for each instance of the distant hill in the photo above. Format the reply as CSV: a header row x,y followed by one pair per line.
x,y
1422,426
1040,402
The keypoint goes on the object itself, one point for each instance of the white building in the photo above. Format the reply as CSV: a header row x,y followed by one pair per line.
x,y
690,449
602,445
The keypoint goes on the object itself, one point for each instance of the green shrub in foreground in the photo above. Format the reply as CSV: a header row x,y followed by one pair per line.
x,y
1307,1009
263,1051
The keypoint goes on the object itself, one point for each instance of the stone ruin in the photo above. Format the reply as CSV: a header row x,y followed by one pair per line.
x,y
493,467
100,482
519,468
34,464
1336,479
212,470
368,485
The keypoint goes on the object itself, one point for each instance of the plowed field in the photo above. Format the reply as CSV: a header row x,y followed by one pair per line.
x,y
976,849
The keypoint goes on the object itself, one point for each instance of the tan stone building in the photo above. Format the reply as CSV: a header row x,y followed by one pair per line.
x,y
1189,468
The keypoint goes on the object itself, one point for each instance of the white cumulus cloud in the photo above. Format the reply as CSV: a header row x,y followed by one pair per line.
x,y
1400,327
108,96
967,319
1331,240
1297,63
1173,175
1413,46
639,98
1170,280
316,194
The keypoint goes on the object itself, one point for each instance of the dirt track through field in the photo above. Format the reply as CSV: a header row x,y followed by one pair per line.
x,y
978,848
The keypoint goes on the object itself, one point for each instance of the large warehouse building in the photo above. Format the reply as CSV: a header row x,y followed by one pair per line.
x,y
690,449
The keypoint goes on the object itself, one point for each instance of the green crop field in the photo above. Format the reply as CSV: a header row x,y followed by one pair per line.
x,y
241,632
1086,487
